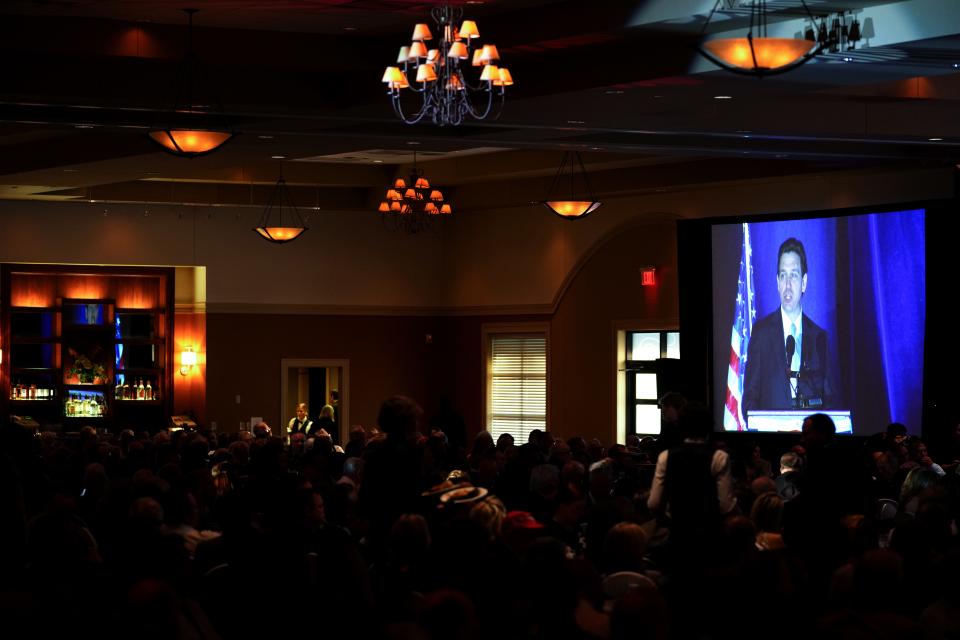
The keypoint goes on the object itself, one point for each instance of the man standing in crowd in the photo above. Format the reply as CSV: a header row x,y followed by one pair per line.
x,y
301,423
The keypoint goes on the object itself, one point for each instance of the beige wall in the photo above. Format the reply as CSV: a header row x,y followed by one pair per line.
x,y
377,295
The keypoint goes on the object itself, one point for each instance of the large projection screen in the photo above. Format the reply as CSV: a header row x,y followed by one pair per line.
x,y
852,289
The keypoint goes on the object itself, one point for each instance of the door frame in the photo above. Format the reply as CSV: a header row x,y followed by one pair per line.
x,y
313,363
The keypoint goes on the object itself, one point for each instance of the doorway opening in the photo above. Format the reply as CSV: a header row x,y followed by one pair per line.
x,y
317,383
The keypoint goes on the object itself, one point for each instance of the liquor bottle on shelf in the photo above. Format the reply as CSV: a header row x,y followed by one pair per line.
x,y
118,391
140,390
32,392
68,407
126,390
148,391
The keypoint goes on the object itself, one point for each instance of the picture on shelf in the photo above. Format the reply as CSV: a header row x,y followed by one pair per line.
x,y
83,370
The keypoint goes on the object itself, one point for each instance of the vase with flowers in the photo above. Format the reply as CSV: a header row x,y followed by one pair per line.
x,y
85,371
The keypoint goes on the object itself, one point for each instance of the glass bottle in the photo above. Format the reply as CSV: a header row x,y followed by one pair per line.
x,y
140,389
148,392
126,390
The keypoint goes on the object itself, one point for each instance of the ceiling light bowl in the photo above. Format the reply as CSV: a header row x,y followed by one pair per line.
x,y
190,143
571,209
759,55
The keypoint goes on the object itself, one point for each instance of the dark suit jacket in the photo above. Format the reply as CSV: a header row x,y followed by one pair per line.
x,y
766,384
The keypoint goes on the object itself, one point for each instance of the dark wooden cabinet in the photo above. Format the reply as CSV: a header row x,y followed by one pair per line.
x,y
99,361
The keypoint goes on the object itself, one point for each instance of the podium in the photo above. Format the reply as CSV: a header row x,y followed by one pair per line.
x,y
792,420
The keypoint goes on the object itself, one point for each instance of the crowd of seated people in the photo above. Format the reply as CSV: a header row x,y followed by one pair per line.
x,y
410,534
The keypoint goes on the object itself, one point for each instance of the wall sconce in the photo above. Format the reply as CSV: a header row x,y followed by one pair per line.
x,y
188,360
648,275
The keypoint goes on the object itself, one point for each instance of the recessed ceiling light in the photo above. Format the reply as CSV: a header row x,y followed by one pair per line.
x,y
378,161
657,97
412,142
614,92
83,126
278,157
265,137
71,170
152,173
723,97
935,139
847,59
349,28
575,122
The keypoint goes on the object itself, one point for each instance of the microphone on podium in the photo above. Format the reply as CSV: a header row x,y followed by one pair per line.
x,y
791,349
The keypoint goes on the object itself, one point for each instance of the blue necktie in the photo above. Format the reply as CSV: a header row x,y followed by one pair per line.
x,y
795,363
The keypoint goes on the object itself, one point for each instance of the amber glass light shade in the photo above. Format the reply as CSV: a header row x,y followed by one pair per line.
x,y
383,208
280,234
446,210
454,83
431,209
189,143
477,53
394,206
421,32
400,183
436,196
771,53
422,183
572,208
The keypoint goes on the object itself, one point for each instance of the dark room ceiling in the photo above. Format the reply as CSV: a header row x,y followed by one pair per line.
x,y
621,82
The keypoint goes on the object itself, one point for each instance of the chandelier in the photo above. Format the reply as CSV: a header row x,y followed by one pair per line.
x,y
189,141
412,204
439,75
759,55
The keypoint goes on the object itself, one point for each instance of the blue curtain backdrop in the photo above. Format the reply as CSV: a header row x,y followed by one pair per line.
x,y
888,254
866,287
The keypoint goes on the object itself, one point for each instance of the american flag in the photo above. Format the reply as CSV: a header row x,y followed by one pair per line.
x,y
743,319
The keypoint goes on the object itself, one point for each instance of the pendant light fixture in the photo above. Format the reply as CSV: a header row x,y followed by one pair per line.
x,y
580,203
272,226
183,137
756,53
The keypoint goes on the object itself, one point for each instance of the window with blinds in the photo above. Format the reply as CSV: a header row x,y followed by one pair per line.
x,y
517,385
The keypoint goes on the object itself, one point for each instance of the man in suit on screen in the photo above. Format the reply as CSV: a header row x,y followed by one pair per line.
x,y
786,364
